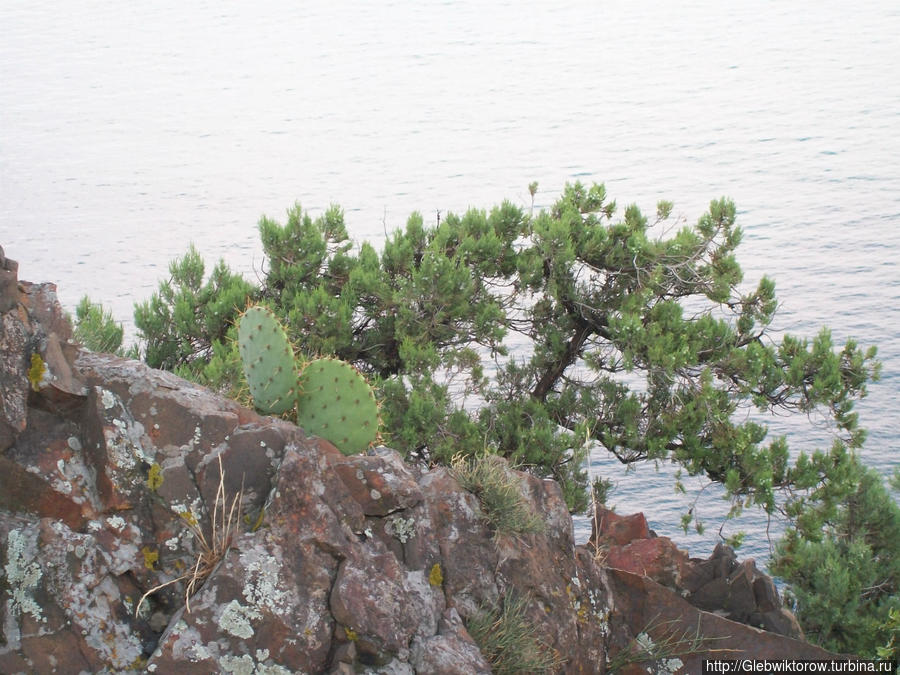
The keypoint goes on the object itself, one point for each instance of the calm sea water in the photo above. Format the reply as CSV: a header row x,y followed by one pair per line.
x,y
129,130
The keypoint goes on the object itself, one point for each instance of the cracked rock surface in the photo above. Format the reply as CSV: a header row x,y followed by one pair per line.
x,y
115,477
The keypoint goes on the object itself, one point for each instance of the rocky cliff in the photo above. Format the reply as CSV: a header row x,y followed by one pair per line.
x,y
119,482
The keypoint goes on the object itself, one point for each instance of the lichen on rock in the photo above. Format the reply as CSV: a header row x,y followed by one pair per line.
x,y
23,574
237,619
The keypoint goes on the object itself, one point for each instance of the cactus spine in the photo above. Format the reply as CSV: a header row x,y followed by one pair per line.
x,y
333,399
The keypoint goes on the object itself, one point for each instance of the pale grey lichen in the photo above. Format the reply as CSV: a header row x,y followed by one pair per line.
x,y
116,522
238,665
318,487
22,574
184,641
402,528
236,618
143,612
46,377
124,444
423,596
661,665
645,642
670,666
190,513
71,478
84,587
195,439
262,592
245,665
108,399
198,652
263,588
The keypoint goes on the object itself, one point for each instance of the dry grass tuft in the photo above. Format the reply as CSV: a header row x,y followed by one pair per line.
x,y
223,523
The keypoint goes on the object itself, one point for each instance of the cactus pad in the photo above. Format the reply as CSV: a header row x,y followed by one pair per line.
x,y
268,361
337,404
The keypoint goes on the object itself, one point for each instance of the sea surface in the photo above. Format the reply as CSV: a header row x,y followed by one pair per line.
x,y
130,130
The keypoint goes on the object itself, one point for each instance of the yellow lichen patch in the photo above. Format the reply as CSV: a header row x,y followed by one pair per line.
x,y
351,634
255,525
154,477
138,663
582,614
36,371
436,576
189,518
151,557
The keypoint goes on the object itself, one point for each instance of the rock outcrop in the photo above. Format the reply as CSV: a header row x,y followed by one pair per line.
x,y
118,482
720,584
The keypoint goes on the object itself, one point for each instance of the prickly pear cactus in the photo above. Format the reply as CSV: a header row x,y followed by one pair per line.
x,y
268,361
337,404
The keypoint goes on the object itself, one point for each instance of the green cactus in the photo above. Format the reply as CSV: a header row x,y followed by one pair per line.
x,y
337,404
268,361
333,399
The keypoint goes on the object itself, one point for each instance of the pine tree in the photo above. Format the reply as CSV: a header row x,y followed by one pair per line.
x,y
845,582
635,337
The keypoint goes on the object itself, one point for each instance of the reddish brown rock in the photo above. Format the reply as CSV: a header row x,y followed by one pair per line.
x,y
383,611
663,617
766,594
657,558
781,621
451,652
267,604
718,584
741,602
381,484
608,527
